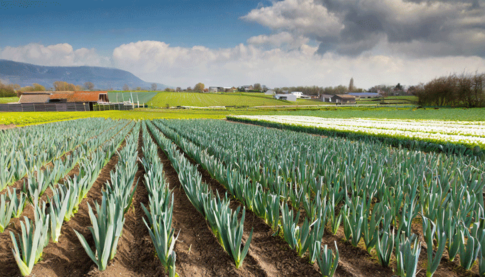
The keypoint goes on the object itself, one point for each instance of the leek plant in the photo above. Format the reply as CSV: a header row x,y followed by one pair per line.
x,y
57,211
431,231
469,249
407,255
231,232
106,230
32,243
353,216
328,261
6,212
18,202
385,247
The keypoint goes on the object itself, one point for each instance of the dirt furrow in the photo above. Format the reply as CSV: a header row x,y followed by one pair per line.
x,y
136,253
198,252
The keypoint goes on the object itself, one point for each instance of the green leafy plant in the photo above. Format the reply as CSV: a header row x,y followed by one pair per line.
x,y
328,261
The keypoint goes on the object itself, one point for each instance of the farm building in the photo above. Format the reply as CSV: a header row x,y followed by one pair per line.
x,y
305,97
343,99
30,97
298,94
287,97
58,101
269,92
326,97
361,95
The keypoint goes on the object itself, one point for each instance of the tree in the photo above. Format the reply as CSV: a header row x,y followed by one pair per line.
x,y
257,86
199,87
89,85
189,89
126,87
65,86
154,86
178,89
351,85
398,87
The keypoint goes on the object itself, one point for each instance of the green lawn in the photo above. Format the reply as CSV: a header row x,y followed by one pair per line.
x,y
143,97
194,99
4,100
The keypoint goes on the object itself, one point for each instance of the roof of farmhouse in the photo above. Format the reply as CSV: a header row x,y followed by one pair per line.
x,y
85,96
364,93
34,98
345,96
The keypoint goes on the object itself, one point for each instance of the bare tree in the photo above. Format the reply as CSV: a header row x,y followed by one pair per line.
x,y
89,85
178,89
154,86
257,86
126,87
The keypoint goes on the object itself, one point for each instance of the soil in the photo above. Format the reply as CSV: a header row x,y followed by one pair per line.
x,y
5,127
136,254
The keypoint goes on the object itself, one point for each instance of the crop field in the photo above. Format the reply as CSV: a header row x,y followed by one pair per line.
x,y
470,134
5,100
174,99
142,97
123,197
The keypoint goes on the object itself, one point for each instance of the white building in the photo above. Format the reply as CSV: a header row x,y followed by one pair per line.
x,y
269,92
298,94
287,97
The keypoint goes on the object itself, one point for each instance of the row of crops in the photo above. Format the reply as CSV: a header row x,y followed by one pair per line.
x,y
89,153
375,193
303,187
448,136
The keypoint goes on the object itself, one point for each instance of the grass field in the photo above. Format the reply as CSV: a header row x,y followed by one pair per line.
x,y
29,118
4,100
174,99
143,97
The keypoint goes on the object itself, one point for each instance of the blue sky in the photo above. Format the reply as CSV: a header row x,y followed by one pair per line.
x,y
105,25
238,42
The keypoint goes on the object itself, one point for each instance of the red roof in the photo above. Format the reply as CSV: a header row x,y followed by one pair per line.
x,y
85,96
61,95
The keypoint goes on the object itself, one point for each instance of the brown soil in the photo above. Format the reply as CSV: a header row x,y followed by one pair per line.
x,y
198,252
136,254
5,127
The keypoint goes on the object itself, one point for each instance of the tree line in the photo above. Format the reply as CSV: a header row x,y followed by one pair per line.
x,y
466,90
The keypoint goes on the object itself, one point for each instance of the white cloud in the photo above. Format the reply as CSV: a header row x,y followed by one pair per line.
x,y
55,55
352,27
305,17
278,40
247,64
156,61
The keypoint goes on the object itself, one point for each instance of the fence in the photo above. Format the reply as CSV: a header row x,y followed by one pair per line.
x,y
41,107
113,106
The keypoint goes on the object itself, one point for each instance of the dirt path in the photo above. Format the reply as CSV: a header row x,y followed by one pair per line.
x,y
136,254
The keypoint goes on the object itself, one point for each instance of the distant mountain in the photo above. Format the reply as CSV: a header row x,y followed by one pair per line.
x,y
26,74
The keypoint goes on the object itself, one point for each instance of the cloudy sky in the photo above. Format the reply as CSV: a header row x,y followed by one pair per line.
x,y
237,42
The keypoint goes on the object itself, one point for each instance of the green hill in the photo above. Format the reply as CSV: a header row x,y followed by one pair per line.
x,y
195,99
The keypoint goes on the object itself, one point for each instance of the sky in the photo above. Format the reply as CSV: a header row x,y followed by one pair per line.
x,y
239,42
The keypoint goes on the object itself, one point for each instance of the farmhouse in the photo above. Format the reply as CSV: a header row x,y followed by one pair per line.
x,y
363,95
325,97
287,97
343,99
